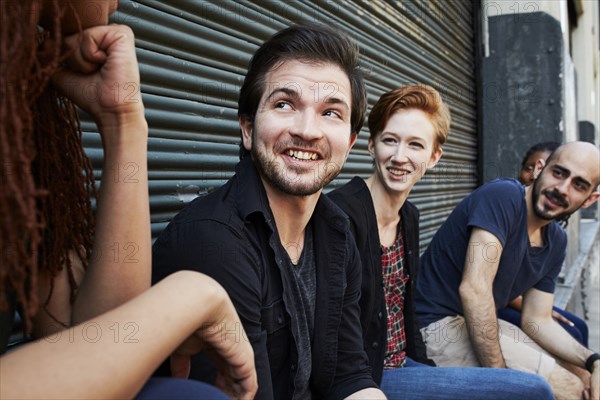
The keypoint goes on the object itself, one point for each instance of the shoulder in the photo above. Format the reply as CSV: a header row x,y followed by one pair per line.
x,y
410,210
500,196
208,231
557,235
353,198
503,188
218,205
352,194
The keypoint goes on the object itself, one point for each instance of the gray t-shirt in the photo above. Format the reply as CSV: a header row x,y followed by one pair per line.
x,y
303,294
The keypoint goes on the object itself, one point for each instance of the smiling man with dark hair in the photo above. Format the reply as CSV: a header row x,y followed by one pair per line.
x,y
503,241
282,250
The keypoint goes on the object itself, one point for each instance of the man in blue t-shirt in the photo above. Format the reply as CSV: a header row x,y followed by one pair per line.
x,y
500,242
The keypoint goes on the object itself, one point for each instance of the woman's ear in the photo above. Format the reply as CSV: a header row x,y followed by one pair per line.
x,y
435,157
371,147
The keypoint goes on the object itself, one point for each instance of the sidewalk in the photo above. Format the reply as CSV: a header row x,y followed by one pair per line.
x,y
594,314
590,243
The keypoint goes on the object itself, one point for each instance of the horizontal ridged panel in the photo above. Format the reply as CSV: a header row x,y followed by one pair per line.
x,y
193,56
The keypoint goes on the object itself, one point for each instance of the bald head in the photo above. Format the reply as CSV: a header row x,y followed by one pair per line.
x,y
567,182
585,155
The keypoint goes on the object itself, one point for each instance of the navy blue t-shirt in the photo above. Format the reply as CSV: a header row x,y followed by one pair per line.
x,y
498,207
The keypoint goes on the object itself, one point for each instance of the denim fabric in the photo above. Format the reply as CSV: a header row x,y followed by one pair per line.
x,y
181,389
418,381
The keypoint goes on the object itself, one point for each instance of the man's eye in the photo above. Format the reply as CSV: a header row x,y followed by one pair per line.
x,y
282,104
332,113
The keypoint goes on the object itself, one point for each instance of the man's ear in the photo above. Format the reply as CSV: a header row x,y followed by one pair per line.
x,y
435,157
591,200
353,137
246,128
540,163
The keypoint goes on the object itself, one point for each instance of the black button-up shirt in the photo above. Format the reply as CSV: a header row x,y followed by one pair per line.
x,y
229,235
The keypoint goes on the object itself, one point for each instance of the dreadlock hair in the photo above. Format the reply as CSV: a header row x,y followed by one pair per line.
x,y
539,147
46,180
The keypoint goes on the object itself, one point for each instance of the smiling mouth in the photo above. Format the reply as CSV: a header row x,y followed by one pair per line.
x,y
398,172
555,199
302,155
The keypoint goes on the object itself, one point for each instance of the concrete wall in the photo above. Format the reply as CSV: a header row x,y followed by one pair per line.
x,y
540,82
585,52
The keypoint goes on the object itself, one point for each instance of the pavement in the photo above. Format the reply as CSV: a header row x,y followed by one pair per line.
x,y
593,304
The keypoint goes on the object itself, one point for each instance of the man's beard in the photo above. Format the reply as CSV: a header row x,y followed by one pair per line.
x,y
286,180
553,195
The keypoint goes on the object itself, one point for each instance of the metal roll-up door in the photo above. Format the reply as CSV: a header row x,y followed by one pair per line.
x,y
193,57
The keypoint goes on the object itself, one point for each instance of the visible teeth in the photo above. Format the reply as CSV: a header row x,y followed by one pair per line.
x,y
397,171
302,155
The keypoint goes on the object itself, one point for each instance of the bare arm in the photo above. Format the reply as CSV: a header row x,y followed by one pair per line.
x,y
517,304
130,341
104,62
476,292
367,394
537,322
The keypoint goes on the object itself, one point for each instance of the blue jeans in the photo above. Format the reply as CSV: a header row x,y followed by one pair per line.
x,y
181,389
421,382
579,331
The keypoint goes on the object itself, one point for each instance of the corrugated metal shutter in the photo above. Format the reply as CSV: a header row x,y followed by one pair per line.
x,y
193,57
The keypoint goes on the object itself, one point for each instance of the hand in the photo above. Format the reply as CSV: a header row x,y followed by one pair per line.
x,y
595,381
102,76
561,318
227,344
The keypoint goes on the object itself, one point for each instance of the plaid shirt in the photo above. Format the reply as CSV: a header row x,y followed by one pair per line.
x,y
395,278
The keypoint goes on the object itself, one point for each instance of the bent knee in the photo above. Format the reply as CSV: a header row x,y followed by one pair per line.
x,y
565,384
539,388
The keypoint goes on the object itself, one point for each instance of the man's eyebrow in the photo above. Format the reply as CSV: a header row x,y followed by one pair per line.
x,y
289,91
584,181
562,169
337,100
568,173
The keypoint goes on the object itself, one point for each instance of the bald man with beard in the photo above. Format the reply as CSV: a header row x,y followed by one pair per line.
x,y
500,242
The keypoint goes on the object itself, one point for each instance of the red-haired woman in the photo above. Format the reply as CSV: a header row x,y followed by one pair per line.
x,y
408,127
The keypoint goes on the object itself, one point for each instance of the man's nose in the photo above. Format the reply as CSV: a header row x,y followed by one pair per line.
x,y
306,125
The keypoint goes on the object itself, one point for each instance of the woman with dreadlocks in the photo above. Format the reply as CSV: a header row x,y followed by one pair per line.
x,y
79,280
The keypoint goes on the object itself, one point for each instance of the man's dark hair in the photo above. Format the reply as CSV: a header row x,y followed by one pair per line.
x,y
544,146
313,43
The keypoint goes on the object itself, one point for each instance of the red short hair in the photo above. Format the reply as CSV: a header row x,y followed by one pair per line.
x,y
420,97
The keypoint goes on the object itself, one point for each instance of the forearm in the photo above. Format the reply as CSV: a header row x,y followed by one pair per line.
x,y
482,326
369,393
128,342
555,340
121,263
